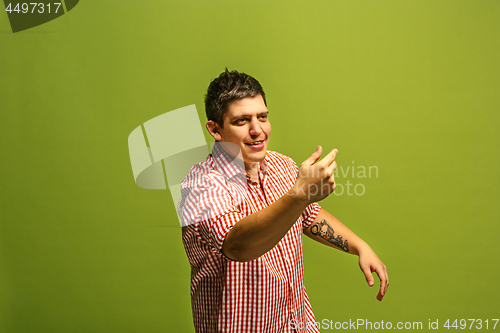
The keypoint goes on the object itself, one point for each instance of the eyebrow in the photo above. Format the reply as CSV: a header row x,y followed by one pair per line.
x,y
246,115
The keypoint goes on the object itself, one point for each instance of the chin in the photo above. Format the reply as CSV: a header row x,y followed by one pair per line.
x,y
260,157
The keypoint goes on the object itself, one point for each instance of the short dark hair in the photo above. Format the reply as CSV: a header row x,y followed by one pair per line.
x,y
229,86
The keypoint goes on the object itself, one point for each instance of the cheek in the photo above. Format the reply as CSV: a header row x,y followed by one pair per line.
x,y
240,136
268,129
234,135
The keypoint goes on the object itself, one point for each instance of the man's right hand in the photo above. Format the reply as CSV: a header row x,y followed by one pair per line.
x,y
315,180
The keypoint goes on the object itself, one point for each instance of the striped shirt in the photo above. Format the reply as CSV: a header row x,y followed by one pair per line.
x,y
263,295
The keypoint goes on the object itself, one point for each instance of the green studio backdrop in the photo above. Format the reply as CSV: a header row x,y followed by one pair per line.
x,y
409,88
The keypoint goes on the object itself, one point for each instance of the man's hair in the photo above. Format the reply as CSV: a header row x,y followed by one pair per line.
x,y
229,86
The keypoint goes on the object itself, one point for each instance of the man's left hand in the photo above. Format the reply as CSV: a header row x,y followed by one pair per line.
x,y
369,263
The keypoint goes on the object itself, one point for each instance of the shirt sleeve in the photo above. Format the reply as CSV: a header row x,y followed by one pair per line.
x,y
213,232
309,214
210,208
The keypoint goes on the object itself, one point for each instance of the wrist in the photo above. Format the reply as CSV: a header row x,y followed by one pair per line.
x,y
361,248
298,196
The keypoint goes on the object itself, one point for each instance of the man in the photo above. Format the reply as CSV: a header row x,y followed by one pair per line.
x,y
243,236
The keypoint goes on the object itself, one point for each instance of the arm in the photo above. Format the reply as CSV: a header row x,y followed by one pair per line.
x,y
258,233
328,230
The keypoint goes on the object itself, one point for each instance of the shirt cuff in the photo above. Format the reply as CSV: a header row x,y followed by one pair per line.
x,y
309,214
221,227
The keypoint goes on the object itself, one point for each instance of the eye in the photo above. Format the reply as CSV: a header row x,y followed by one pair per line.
x,y
241,121
263,117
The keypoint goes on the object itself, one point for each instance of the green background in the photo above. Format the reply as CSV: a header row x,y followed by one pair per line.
x,y
411,87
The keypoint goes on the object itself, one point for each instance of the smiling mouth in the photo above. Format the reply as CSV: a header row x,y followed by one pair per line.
x,y
255,143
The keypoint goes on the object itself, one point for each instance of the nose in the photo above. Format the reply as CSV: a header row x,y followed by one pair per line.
x,y
255,129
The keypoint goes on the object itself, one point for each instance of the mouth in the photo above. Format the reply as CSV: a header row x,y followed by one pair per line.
x,y
256,144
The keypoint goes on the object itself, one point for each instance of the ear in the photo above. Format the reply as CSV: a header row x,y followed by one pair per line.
x,y
213,129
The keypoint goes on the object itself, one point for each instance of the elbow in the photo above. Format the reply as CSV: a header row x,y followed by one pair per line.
x,y
237,253
239,247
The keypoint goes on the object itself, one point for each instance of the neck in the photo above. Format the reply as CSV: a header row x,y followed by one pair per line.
x,y
252,169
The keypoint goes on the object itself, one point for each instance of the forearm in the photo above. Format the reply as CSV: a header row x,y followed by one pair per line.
x,y
258,233
327,229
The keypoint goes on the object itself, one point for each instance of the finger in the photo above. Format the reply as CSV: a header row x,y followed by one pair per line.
x,y
329,184
314,157
331,169
382,291
368,276
328,159
384,281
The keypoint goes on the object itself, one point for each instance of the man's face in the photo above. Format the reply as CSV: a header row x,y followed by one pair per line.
x,y
246,125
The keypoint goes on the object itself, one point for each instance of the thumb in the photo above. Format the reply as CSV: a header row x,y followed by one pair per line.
x,y
368,276
314,157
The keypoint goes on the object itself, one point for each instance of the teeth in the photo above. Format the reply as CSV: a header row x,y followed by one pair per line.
x,y
255,143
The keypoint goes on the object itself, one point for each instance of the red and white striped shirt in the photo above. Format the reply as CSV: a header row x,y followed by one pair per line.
x,y
263,295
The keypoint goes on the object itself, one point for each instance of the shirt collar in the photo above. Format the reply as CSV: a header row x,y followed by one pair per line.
x,y
226,164
264,164
229,166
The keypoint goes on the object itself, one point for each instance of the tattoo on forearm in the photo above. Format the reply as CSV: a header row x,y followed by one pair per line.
x,y
325,231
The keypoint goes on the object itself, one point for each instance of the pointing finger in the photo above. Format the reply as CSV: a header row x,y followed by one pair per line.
x,y
328,159
314,157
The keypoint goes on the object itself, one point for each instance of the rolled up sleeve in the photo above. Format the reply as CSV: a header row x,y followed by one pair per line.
x,y
210,209
309,214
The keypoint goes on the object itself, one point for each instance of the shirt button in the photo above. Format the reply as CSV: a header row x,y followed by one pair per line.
x,y
286,259
291,311
291,285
